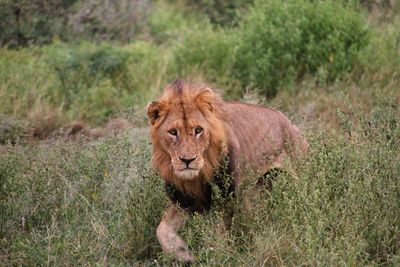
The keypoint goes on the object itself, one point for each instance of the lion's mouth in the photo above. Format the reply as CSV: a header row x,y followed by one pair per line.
x,y
187,169
187,173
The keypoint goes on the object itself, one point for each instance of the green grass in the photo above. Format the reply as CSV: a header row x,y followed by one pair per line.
x,y
79,202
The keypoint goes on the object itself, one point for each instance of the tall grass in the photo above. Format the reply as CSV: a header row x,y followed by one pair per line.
x,y
79,203
99,202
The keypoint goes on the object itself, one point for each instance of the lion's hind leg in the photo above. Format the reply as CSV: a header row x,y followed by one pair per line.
x,y
267,178
173,219
256,189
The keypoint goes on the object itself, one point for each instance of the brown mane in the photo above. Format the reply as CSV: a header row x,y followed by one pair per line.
x,y
206,101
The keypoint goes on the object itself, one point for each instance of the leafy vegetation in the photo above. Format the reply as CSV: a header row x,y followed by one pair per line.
x,y
281,43
331,66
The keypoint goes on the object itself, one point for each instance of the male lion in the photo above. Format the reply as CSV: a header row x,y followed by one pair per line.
x,y
192,132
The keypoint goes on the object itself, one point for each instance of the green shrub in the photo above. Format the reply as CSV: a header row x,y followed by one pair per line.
x,y
98,80
81,67
280,42
205,52
380,58
81,81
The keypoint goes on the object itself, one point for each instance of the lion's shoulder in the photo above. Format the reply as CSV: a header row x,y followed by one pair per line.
x,y
260,136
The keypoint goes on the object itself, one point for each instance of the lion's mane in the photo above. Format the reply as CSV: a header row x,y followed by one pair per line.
x,y
210,105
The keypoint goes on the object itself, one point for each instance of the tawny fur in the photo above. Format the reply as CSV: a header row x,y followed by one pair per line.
x,y
251,137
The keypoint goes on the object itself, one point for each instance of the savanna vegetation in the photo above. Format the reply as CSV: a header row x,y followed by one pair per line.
x,y
90,197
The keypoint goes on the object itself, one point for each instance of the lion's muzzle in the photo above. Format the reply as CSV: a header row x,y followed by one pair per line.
x,y
187,167
187,174
188,161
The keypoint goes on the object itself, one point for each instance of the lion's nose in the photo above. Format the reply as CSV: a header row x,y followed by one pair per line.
x,y
187,161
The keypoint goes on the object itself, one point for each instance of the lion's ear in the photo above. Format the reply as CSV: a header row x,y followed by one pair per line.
x,y
153,111
206,97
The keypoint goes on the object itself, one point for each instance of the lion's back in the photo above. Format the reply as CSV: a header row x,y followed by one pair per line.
x,y
260,136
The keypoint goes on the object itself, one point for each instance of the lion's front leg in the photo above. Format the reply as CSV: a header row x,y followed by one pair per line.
x,y
173,219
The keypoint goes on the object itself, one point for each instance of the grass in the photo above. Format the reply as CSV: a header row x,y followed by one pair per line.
x,y
79,202
74,199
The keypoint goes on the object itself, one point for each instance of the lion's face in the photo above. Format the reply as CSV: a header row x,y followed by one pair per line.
x,y
186,137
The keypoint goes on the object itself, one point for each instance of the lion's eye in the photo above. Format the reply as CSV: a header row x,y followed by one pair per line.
x,y
198,130
173,132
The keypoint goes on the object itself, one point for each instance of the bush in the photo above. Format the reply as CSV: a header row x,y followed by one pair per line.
x,y
281,42
81,67
98,80
203,51
380,58
81,81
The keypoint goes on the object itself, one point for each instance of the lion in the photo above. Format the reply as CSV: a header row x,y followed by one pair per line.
x,y
192,131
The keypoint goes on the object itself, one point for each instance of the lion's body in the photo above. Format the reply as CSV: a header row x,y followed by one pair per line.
x,y
260,138
193,130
